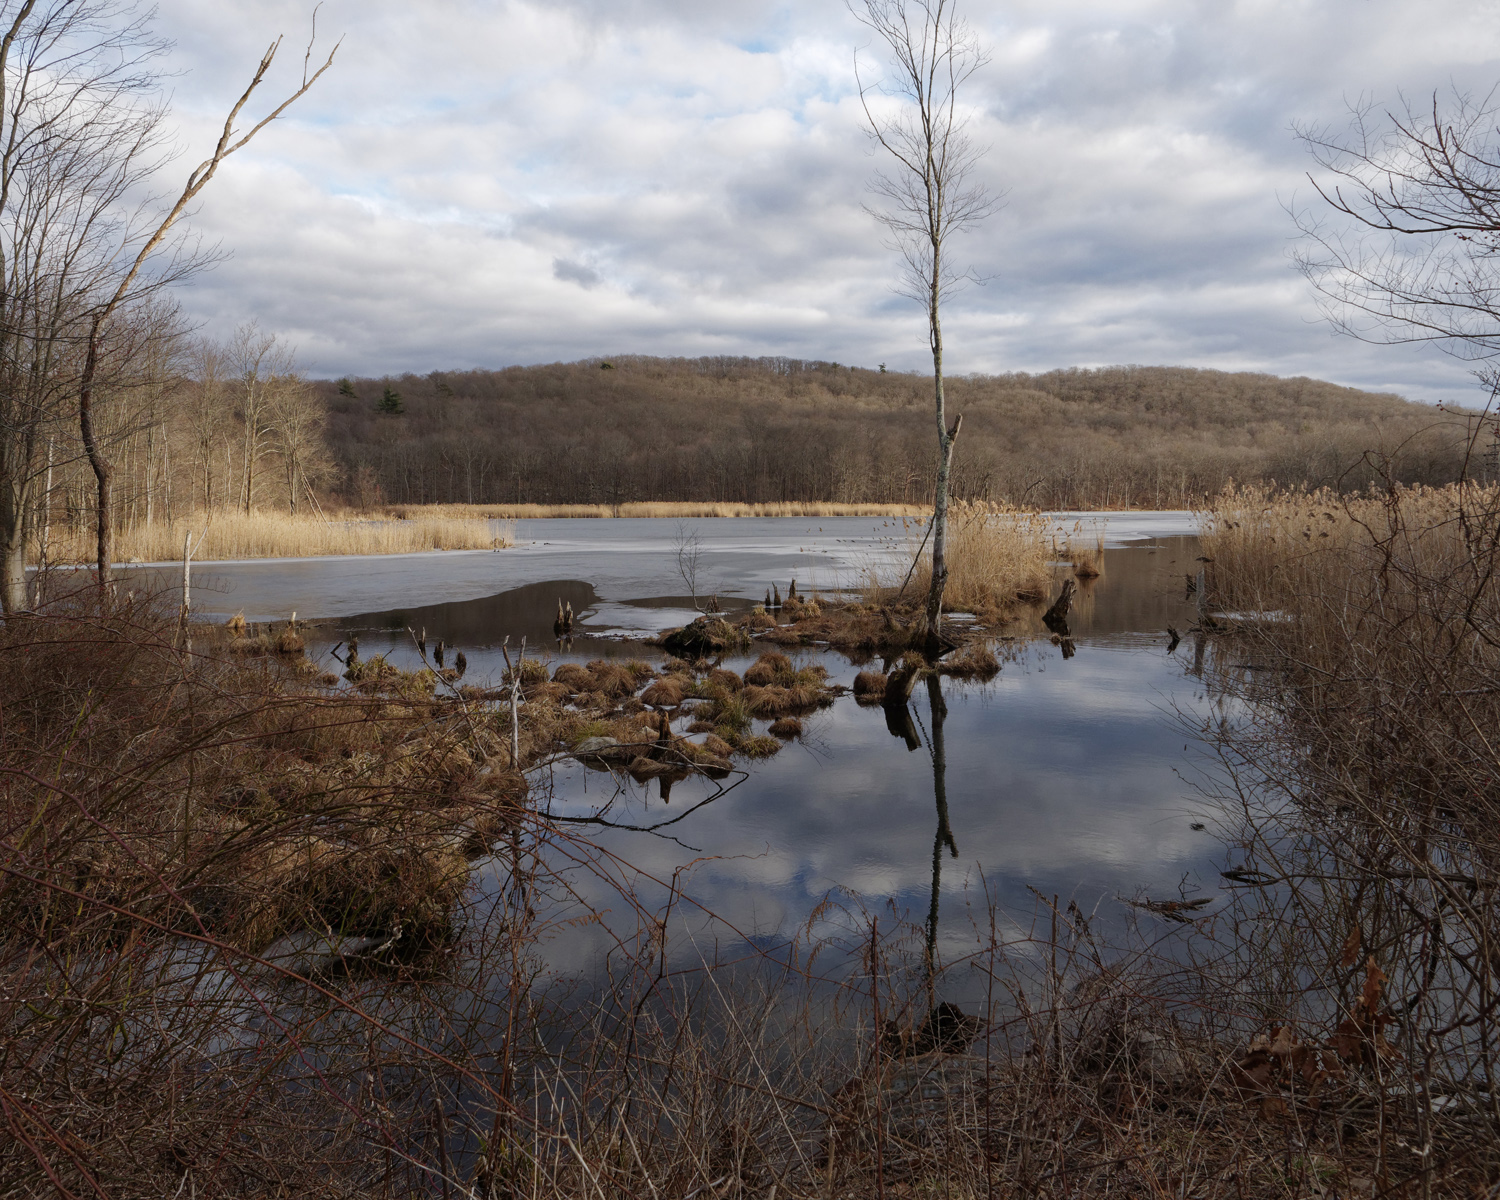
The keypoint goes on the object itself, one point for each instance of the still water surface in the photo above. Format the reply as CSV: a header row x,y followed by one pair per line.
x,y
1073,776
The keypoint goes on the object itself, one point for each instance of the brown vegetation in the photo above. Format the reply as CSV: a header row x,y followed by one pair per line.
x,y
1363,644
657,509
271,534
164,814
1087,561
975,661
778,430
263,804
998,556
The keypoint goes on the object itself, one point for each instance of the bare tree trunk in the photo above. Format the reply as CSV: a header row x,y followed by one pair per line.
x,y
946,438
44,545
103,471
930,197
166,475
150,468
13,549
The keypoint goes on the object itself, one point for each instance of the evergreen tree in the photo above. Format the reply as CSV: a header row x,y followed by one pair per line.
x,y
346,387
390,402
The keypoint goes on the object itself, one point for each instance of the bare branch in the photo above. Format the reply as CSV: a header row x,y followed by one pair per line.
x,y
1415,257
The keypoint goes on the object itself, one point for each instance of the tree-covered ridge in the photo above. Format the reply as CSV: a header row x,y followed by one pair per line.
x,y
773,429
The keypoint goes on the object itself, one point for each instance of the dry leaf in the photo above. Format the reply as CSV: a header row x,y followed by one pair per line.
x,y
1284,1043
1374,977
1350,956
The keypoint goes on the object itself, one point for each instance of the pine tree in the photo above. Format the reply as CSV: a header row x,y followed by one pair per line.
x,y
346,387
390,402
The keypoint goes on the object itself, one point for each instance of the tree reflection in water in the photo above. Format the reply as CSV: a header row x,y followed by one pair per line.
x,y
944,835
900,722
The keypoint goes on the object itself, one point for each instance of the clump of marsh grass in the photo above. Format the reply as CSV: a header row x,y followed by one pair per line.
x,y
974,661
1087,561
869,687
772,667
997,557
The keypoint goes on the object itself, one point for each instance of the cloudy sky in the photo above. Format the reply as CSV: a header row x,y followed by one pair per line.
x,y
479,183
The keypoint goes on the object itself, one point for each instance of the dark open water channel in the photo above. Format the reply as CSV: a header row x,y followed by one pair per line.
x,y
1073,776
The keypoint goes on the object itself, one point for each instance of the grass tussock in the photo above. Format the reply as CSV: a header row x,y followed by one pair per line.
x,y
264,534
1087,561
975,660
773,689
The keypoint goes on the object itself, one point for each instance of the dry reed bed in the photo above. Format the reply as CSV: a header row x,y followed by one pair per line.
x,y
661,508
285,535
997,556
1364,765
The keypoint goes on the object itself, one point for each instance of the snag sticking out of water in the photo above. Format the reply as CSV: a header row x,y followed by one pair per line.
x,y
1056,617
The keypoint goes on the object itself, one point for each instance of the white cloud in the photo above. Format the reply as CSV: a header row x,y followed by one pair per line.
x,y
489,183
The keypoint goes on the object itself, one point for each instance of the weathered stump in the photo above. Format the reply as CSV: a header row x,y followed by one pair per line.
x,y
1056,617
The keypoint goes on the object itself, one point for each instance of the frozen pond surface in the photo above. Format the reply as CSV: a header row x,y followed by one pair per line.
x,y
623,559
1073,776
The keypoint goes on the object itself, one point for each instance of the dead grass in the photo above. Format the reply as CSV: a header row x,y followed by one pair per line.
x,y
869,687
771,667
1087,561
974,661
997,557
1361,656
163,813
294,807
282,535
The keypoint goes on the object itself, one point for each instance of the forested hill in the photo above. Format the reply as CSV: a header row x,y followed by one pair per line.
x,y
777,429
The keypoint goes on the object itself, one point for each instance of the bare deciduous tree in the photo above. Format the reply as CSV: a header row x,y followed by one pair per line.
x,y
1412,253
147,262
205,407
258,362
295,416
929,195
79,124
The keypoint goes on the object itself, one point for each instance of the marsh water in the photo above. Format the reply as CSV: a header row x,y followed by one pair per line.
x,y
1074,775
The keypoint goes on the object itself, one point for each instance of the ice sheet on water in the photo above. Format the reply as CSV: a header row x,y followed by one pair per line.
x,y
1123,528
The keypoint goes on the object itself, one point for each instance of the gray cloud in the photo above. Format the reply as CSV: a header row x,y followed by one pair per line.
x,y
484,184
572,272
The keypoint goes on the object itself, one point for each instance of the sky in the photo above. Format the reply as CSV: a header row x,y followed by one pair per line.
x,y
482,184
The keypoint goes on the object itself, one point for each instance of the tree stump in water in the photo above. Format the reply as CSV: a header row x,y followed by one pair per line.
x,y
1056,617
902,682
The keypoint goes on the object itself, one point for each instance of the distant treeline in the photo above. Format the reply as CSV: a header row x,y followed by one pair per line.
x,y
777,429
